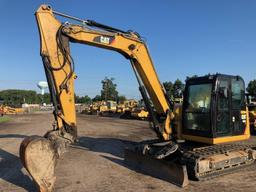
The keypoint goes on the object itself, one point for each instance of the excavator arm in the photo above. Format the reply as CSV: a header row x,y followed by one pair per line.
x,y
39,154
59,66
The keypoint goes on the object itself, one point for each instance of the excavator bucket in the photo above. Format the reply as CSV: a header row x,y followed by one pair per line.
x,y
165,170
38,156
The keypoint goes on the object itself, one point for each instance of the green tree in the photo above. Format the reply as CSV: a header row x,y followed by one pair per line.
x,y
251,88
168,85
178,88
46,98
83,99
121,99
97,98
109,91
15,97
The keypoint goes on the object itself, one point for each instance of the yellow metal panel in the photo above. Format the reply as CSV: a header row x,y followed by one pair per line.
x,y
48,26
215,140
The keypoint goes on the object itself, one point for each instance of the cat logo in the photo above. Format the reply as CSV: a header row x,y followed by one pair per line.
x,y
104,39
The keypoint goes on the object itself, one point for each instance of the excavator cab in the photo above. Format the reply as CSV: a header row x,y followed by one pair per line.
x,y
214,107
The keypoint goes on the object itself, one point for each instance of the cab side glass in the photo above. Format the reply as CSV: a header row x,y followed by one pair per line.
x,y
223,115
238,90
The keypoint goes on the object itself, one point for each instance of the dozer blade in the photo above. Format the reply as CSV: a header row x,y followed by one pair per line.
x,y
39,158
165,170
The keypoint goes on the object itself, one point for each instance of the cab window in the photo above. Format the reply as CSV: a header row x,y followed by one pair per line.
x,y
199,97
237,93
197,111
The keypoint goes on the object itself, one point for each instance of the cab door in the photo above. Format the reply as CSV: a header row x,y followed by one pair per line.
x,y
230,102
223,105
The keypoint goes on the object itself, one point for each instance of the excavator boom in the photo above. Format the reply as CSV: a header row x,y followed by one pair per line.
x,y
58,63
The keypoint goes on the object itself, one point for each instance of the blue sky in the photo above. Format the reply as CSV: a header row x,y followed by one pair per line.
x,y
185,37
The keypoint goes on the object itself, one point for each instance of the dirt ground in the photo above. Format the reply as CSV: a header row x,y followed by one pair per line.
x,y
96,163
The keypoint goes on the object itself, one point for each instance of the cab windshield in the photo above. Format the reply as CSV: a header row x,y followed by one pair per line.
x,y
197,110
199,97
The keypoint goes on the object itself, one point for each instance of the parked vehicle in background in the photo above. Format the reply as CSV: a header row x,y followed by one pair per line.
x,y
251,104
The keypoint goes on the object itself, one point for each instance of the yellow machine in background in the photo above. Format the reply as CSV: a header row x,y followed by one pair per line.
x,y
94,108
102,107
7,110
251,104
128,109
110,107
139,113
191,138
107,108
127,105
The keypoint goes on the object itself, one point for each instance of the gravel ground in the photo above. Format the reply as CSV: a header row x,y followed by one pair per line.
x,y
96,163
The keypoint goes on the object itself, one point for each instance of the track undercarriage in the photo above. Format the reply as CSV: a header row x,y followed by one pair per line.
x,y
195,163
211,161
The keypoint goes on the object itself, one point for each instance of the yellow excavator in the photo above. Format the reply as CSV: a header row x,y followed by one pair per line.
x,y
103,107
7,110
108,107
197,140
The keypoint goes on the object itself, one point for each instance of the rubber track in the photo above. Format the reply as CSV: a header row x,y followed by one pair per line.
x,y
191,157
